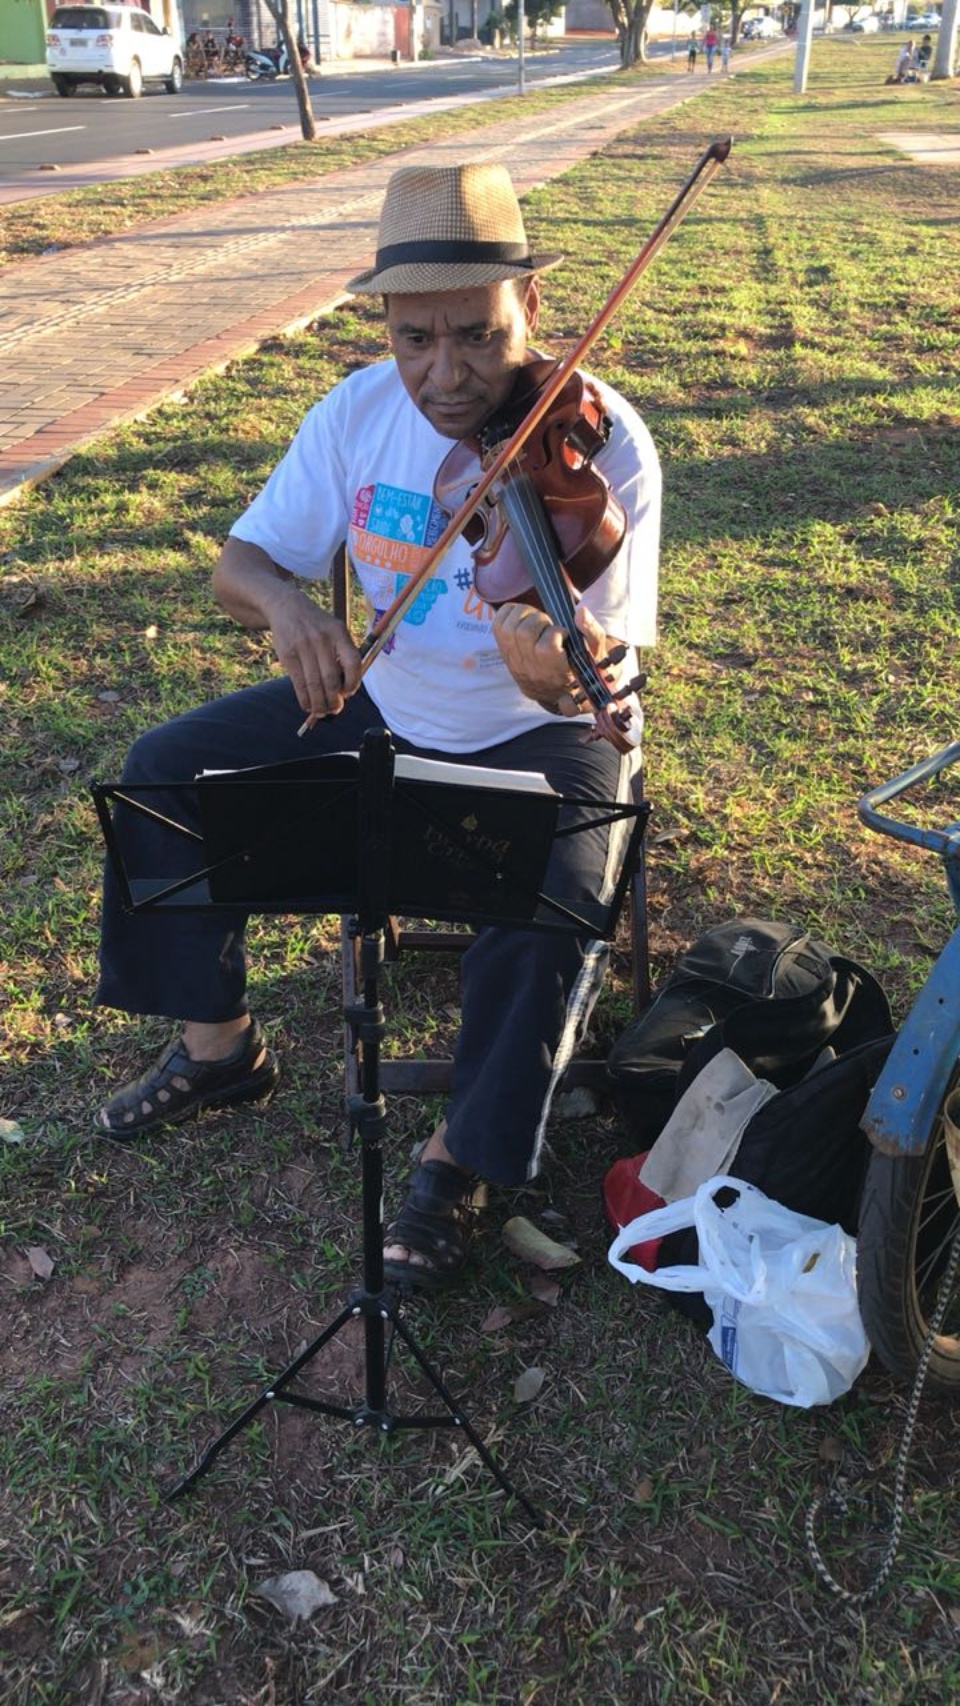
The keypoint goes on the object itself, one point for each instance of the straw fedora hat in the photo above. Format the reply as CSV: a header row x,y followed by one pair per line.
x,y
447,228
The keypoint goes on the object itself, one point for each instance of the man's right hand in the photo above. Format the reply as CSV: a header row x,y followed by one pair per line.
x,y
313,648
317,653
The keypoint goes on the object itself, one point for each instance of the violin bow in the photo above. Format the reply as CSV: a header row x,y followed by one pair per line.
x,y
709,163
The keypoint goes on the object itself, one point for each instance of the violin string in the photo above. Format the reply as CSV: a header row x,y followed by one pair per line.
x,y
526,516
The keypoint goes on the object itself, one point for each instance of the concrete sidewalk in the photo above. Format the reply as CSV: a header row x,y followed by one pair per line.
x,y
103,333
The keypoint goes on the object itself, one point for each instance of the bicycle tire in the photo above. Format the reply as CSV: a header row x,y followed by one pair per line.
x,y
908,1216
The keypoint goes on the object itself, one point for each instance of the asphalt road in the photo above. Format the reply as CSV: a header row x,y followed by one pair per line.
x,y
39,129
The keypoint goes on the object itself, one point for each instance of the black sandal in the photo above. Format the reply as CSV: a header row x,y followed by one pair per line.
x,y
177,1087
437,1222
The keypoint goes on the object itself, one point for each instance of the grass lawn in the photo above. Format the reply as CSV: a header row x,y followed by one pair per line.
x,y
794,351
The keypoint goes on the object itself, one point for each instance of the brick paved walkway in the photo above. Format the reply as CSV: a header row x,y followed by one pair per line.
x,y
102,334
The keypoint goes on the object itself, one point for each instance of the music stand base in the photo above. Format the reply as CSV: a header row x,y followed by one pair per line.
x,y
378,1310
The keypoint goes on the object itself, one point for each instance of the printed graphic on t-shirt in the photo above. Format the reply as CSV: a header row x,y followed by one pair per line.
x,y
393,528
422,605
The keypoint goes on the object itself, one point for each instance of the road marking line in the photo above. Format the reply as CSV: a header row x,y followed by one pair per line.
x,y
24,135
198,112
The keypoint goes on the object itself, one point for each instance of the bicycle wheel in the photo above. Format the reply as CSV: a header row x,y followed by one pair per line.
x,y
908,1217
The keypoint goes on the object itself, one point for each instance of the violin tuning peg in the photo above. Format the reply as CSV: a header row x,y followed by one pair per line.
x,y
615,655
637,685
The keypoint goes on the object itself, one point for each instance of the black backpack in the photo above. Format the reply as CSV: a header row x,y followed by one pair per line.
x,y
781,995
778,998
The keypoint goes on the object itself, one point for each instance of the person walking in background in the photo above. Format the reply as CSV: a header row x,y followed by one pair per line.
x,y
711,42
725,54
692,54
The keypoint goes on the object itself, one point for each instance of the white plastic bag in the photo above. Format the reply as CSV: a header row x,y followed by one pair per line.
x,y
782,1288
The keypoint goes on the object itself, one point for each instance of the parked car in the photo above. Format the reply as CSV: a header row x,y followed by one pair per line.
x,y
866,25
926,21
760,29
118,47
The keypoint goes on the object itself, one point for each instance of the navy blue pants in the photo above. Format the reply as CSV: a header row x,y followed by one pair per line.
x,y
525,994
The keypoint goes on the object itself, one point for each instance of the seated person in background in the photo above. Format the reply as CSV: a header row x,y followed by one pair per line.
x,y
462,295
905,63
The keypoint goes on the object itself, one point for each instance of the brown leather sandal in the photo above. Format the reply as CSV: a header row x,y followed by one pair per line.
x,y
176,1087
436,1222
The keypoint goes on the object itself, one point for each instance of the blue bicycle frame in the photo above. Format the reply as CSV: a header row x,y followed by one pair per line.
x,y
902,1110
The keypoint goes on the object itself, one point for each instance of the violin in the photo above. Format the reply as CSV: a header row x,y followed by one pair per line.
x,y
550,526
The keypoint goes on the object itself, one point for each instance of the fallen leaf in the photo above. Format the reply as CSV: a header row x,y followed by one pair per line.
x,y
545,1290
298,1593
643,1491
10,1132
40,1262
831,1449
499,1317
32,603
504,1314
137,1650
527,1385
576,1104
68,765
531,1245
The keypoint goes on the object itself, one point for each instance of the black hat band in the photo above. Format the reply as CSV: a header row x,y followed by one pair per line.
x,y
405,254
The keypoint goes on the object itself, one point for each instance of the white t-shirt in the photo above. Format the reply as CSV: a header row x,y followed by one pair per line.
x,y
362,468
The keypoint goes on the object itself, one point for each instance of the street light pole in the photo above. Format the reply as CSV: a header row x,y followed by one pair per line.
x,y
804,42
521,30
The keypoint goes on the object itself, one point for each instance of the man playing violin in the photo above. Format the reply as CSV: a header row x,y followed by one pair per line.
x,y
456,680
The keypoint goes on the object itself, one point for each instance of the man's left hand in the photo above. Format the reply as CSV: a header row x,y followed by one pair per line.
x,y
532,649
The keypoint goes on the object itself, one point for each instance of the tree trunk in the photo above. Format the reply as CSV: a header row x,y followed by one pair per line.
x,y
632,31
946,49
280,10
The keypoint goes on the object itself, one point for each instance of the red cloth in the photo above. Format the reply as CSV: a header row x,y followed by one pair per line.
x,y
624,1198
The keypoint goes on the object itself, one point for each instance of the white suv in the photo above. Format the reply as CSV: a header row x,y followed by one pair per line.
x,y
119,47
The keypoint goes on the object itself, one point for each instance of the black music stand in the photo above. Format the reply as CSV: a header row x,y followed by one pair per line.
x,y
421,845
